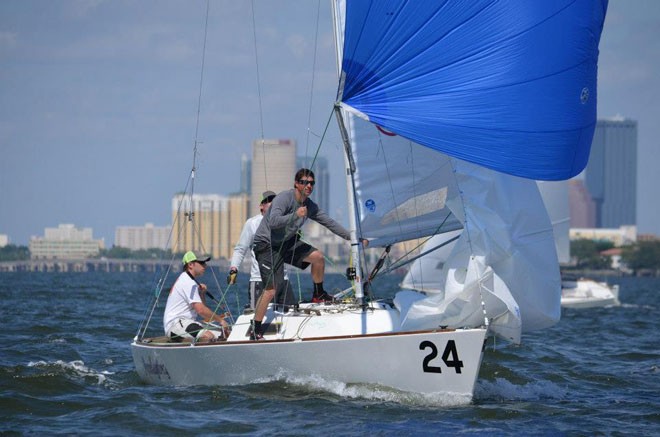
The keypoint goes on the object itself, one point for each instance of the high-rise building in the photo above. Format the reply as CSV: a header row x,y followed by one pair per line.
x,y
142,237
208,223
321,193
273,168
611,174
65,242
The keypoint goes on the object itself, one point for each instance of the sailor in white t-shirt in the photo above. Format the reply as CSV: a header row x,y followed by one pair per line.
x,y
185,305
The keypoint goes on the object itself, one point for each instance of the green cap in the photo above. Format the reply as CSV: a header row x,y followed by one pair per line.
x,y
190,257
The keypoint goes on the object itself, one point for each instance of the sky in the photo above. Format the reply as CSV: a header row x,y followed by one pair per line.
x,y
102,102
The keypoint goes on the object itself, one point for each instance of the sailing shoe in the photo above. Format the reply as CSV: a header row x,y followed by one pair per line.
x,y
255,331
256,336
322,298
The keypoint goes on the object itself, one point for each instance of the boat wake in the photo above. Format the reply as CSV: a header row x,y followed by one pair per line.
x,y
370,392
75,369
503,390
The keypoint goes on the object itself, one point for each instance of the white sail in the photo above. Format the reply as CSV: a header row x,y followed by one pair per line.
x,y
505,256
423,274
555,197
401,188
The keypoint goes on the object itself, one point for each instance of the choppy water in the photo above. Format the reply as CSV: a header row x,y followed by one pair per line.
x,y
66,368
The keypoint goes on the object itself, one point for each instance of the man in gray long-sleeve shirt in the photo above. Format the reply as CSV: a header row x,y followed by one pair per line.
x,y
276,242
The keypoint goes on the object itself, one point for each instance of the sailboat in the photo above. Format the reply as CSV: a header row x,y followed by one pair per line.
x,y
576,292
448,112
424,272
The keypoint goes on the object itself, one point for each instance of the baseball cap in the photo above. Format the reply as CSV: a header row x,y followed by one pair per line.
x,y
266,196
190,257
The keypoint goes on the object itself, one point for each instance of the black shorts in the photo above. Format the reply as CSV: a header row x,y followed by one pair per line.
x,y
271,260
284,294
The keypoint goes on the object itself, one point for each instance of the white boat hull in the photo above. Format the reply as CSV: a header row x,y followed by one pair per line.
x,y
586,293
443,361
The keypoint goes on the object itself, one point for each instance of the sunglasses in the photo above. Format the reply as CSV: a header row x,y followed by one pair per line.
x,y
306,182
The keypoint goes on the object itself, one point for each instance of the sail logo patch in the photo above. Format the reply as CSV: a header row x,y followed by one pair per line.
x,y
584,95
370,205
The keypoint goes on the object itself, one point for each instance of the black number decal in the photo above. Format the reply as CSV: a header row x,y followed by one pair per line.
x,y
450,350
434,353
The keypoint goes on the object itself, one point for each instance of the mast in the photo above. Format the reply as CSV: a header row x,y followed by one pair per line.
x,y
338,15
352,210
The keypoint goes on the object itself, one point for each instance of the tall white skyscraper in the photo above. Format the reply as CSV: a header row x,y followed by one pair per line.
x,y
273,168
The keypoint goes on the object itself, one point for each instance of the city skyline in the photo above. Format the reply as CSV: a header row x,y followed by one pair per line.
x,y
99,120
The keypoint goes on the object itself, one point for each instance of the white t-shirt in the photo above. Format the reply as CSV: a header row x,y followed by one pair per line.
x,y
244,244
184,293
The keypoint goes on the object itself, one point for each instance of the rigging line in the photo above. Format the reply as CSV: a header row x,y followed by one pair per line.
x,y
311,92
399,263
261,111
201,76
148,314
199,105
223,295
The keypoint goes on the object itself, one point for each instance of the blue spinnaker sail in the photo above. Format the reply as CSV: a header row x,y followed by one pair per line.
x,y
506,84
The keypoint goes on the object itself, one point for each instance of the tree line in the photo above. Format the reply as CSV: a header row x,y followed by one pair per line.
x,y
643,255
586,254
13,252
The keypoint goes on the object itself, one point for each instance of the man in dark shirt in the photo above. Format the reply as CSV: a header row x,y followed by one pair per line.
x,y
277,241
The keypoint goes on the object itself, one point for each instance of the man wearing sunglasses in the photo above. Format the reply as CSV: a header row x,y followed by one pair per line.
x,y
277,241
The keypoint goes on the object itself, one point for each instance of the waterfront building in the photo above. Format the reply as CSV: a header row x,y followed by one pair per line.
x,y
611,174
65,242
208,223
4,240
142,237
620,236
273,168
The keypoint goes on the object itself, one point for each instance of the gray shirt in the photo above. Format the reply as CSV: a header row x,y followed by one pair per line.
x,y
280,223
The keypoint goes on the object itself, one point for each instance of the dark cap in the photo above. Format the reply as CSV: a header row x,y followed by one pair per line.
x,y
267,196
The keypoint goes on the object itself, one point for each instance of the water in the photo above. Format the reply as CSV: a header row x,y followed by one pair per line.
x,y
66,368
